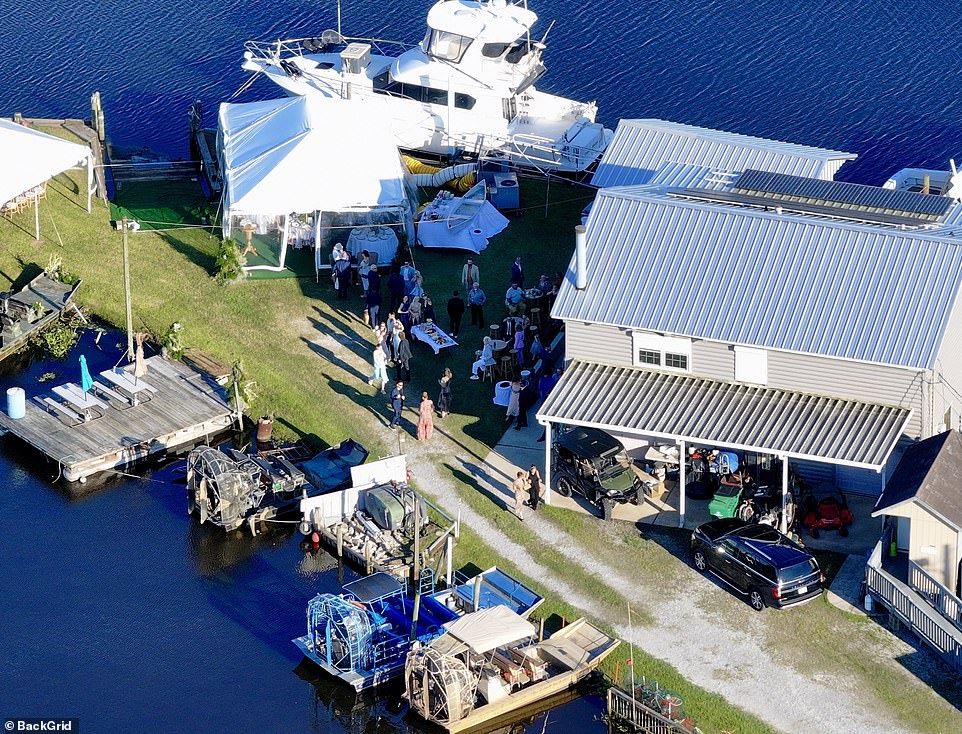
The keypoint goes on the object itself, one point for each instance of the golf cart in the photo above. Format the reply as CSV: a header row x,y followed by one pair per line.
x,y
738,494
593,464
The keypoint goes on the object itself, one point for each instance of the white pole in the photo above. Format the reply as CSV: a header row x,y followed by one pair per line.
x,y
631,659
783,524
36,213
90,180
449,552
547,462
681,483
285,233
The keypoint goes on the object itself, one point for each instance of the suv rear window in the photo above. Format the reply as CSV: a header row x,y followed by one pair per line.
x,y
798,571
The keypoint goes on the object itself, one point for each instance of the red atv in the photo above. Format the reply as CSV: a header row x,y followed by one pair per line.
x,y
828,513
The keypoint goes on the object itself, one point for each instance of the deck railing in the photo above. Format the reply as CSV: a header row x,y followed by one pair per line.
x,y
912,611
623,707
944,601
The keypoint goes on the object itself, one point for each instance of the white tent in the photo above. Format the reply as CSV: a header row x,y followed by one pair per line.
x,y
307,156
29,157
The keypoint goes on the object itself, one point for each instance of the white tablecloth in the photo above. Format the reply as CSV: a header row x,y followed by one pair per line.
x,y
433,336
380,240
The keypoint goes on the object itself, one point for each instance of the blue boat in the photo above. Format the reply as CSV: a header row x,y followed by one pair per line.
x,y
363,635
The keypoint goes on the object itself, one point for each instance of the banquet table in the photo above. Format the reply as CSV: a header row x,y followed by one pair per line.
x,y
380,240
433,336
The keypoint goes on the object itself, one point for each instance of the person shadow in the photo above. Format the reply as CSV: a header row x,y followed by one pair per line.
x,y
469,474
329,356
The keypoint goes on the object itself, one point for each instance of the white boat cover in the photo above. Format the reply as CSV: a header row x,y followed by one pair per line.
x,y
490,628
29,157
473,235
307,154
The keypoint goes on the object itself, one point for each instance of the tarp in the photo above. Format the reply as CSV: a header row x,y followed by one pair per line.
x,y
307,154
29,157
473,237
490,628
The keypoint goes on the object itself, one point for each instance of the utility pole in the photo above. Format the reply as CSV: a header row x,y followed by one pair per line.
x,y
130,316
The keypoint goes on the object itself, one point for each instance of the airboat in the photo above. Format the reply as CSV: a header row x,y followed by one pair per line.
x,y
489,664
362,636
228,488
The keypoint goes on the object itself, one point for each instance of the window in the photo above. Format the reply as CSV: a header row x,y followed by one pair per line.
x,y
425,95
655,350
676,361
751,365
447,46
463,101
493,50
648,356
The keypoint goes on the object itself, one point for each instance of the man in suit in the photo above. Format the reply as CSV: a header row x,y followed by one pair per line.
x,y
455,312
517,272
470,275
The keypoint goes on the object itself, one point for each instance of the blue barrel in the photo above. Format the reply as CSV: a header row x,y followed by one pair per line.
x,y
16,402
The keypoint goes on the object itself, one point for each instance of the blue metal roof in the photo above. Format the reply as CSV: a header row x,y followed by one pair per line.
x,y
640,147
759,278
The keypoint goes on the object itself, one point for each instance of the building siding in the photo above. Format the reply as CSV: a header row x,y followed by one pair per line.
x,y
947,388
597,343
940,557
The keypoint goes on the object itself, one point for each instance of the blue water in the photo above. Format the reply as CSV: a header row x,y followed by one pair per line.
x,y
116,608
874,77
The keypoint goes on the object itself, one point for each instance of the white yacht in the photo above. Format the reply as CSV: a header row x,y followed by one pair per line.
x,y
466,88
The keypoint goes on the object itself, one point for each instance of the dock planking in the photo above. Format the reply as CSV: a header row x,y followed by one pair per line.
x,y
185,406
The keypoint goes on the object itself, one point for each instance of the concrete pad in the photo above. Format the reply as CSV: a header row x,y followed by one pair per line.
x,y
844,592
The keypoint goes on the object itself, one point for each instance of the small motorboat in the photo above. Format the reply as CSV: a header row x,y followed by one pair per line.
x,y
489,664
362,636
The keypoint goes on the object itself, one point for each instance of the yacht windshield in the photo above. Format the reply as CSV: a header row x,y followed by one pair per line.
x,y
448,46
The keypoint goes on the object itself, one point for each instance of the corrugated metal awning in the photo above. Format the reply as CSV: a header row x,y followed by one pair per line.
x,y
710,412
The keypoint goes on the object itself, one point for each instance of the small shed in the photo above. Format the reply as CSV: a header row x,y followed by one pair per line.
x,y
924,495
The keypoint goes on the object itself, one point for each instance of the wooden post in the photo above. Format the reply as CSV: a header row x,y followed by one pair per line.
x,y
416,613
449,552
617,672
476,600
130,317
541,630
416,564
367,556
340,540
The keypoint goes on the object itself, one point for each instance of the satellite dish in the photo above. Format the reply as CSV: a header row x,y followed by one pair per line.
x,y
331,37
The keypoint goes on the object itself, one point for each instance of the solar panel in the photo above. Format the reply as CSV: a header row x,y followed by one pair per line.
x,y
842,194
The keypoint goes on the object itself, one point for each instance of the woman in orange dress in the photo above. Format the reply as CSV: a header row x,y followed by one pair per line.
x,y
426,418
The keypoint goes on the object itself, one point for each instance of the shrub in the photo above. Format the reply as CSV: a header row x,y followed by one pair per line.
x,y
230,263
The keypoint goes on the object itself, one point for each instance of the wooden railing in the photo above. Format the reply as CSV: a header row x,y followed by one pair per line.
x,y
622,707
945,602
912,611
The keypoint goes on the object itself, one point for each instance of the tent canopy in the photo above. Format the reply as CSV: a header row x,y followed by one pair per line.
x,y
29,157
490,628
307,154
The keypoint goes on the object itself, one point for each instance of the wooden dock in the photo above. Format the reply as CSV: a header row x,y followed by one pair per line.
x,y
184,406
52,295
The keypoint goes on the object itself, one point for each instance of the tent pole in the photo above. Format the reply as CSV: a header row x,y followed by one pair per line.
x,y
317,246
130,317
36,213
90,180
284,235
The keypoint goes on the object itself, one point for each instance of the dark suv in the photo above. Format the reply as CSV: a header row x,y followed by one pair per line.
x,y
593,464
757,561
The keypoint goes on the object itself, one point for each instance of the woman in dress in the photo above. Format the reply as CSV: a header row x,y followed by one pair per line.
x,y
415,310
380,368
404,311
534,487
425,418
519,346
514,404
403,358
444,397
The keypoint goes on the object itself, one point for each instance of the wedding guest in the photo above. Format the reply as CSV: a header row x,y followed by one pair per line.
x,y
425,418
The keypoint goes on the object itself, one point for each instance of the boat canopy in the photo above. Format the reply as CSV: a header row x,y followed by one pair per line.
x,y
490,628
